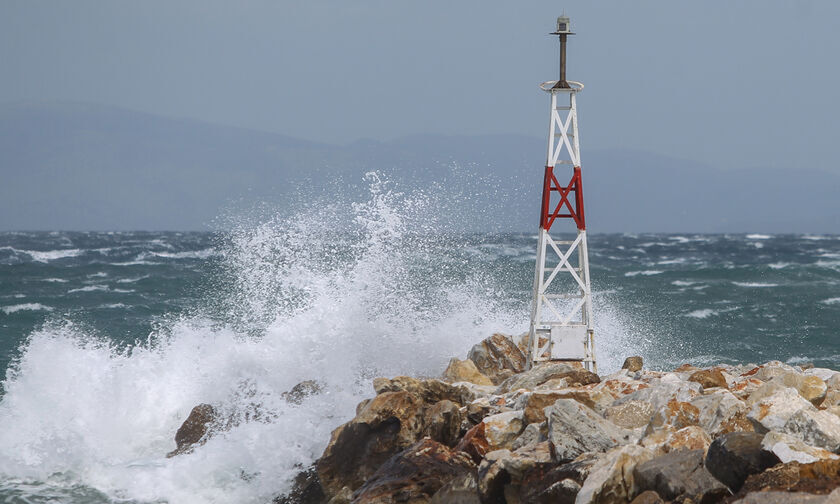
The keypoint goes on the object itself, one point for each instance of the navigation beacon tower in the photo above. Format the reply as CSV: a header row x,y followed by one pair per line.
x,y
561,311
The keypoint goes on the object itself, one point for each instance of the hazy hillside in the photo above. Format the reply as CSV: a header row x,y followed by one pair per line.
x,y
93,167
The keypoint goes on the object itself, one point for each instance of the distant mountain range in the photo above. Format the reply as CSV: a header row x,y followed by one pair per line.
x,y
90,167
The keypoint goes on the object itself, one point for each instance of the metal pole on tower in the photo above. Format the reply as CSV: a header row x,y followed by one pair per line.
x,y
561,310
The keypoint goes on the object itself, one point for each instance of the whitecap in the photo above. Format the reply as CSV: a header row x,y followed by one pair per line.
x,y
89,288
132,280
701,314
26,307
54,280
755,284
52,255
756,236
831,301
779,265
189,254
683,283
644,273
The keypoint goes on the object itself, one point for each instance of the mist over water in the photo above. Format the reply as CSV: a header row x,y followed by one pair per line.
x,y
111,338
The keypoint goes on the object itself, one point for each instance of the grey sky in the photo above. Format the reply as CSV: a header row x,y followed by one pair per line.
x,y
738,84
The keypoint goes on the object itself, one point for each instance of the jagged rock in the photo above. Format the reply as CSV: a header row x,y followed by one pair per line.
x,y
306,489
683,368
709,378
662,391
817,428
502,429
460,490
303,390
824,374
679,474
465,371
633,364
544,372
443,422
485,406
811,388
533,433
648,497
574,429
414,475
722,412
734,456
668,440
611,479
781,498
554,384
391,422
430,391
631,414
501,472
771,413
791,449
497,357
676,414
474,443
744,387
832,398
534,403
195,429
619,385
819,477
770,370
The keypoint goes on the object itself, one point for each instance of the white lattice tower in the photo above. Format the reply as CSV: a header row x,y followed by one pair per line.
x,y
561,312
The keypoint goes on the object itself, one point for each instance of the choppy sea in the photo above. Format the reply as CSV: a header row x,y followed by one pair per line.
x,y
109,339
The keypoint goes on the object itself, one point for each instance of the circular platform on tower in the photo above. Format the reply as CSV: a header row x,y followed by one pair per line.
x,y
548,86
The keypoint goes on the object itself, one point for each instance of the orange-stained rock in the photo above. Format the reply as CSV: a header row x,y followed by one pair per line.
x,y
709,378
195,429
389,423
474,443
675,413
685,368
744,387
498,357
633,364
465,371
536,402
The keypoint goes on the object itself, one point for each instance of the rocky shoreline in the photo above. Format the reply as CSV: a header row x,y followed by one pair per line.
x,y
490,431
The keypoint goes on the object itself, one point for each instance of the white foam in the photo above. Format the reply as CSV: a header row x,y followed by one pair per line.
x,y
701,314
89,288
132,280
756,236
683,283
190,254
831,301
51,255
54,280
755,284
25,307
779,265
644,273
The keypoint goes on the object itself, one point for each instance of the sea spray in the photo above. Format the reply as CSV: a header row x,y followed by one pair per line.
x,y
307,302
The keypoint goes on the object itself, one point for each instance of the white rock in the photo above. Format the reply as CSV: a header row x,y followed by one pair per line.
x,y
717,408
824,374
611,478
791,449
817,428
773,412
502,429
574,429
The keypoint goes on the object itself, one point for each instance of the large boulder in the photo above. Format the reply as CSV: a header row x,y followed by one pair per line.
x,y
574,429
546,371
388,424
773,412
659,392
460,490
817,428
442,422
811,388
680,474
791,449
669,440
501,472
676,414
502,429
430,391
465,371
611,480
534,403
709,378
498,357
414,475
630,414
721,412
199,425
633,364
734,456
822,477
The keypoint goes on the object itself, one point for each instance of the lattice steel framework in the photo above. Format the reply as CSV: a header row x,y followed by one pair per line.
x,y
561,312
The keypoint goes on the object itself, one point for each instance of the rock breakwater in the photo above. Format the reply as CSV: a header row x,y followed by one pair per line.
x,y
490,431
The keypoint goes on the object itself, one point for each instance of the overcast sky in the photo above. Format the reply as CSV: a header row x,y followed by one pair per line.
x,y
738,84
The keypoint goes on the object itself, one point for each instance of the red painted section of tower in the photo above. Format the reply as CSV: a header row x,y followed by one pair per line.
x,y
575,211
